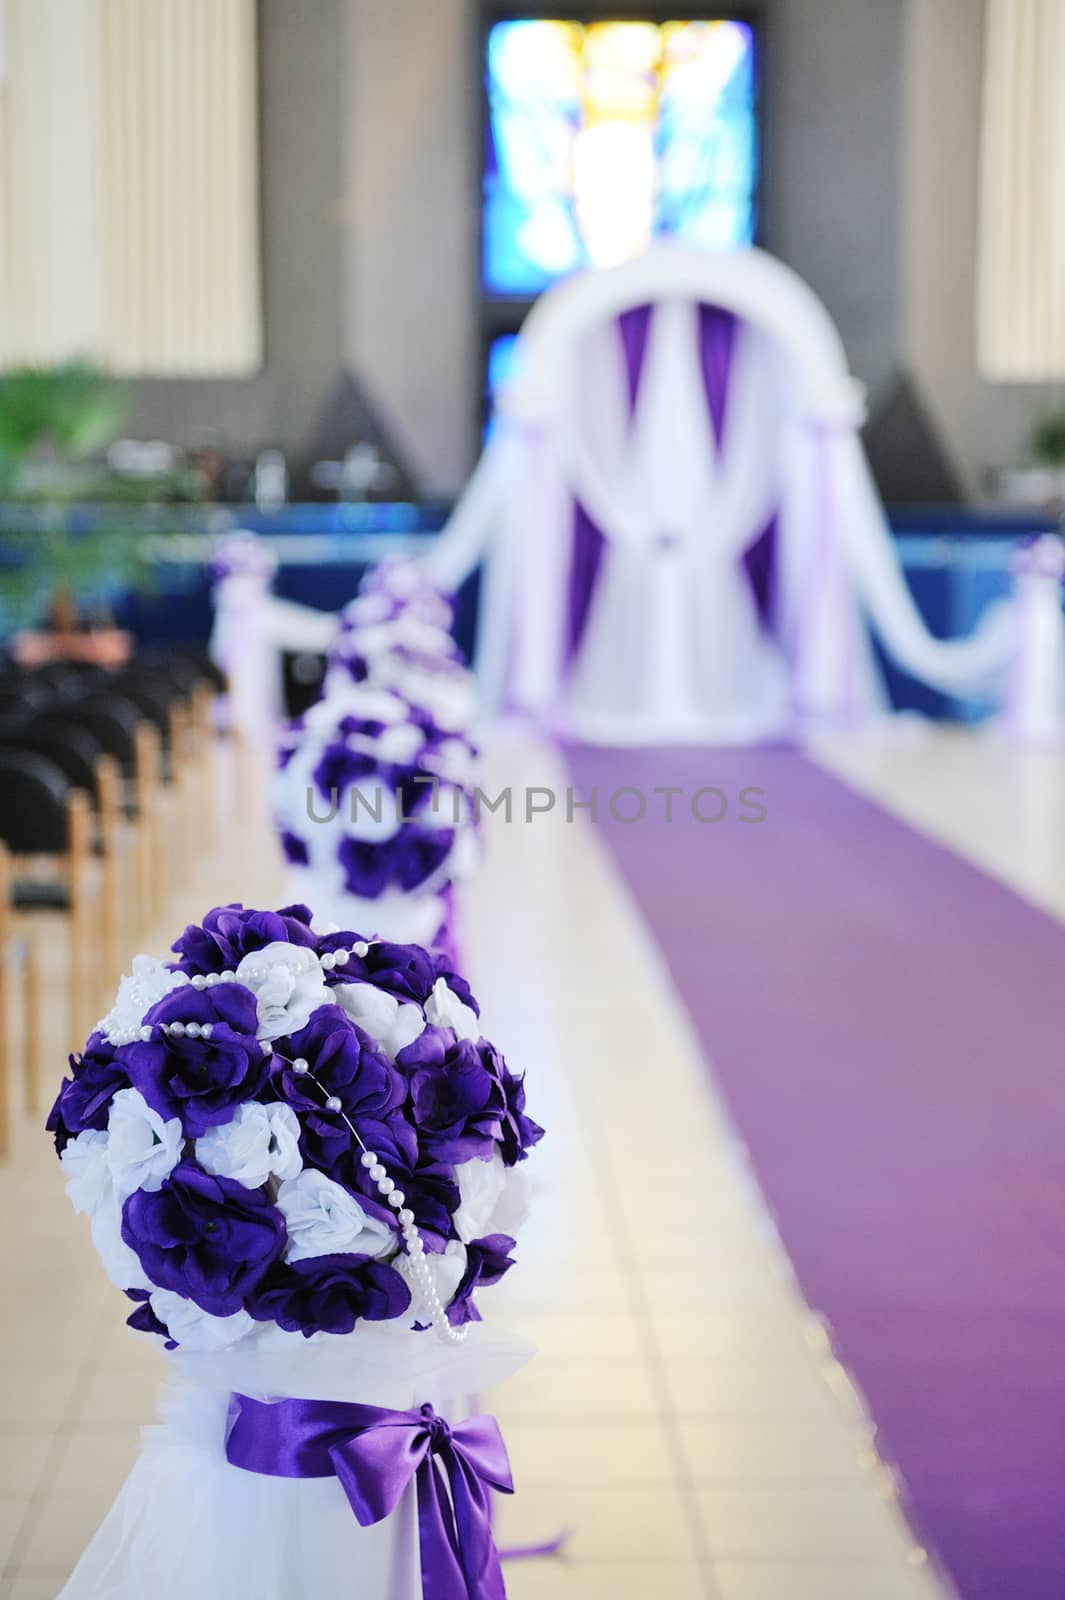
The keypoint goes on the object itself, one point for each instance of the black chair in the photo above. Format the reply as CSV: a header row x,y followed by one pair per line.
x,y
72,748
176,669
21,694
68,679
45,825
207,669
113,720
152,694
132,739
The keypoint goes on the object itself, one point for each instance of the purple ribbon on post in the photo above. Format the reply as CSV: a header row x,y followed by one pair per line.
x,y
376,1453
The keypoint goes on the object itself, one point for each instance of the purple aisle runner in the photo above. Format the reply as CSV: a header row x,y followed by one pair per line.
x,y
888,1027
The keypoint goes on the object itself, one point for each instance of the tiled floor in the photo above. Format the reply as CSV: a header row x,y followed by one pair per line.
x,y
682,1417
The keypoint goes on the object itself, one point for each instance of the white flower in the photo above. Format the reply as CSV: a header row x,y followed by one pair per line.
x,y
194,1329
138,991
92,1191
260,1142
493,1198
400,744
444,1009
445,1271
512,1207
394,1026
480,1185
288,985
142,1149
324,1219
121,1264
360,700
88,1181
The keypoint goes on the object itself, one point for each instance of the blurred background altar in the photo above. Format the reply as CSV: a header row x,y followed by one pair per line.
x,y
300,245
264,266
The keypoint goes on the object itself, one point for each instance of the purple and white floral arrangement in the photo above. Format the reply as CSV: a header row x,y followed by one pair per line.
x,y
286,1133
396,635
376,809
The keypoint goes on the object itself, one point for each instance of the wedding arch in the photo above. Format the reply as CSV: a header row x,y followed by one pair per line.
x,y
680,535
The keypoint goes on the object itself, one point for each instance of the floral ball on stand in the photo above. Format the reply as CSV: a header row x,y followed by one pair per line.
x,y
302,1161
396,635
376,809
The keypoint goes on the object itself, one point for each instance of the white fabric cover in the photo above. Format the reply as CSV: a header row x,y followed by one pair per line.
x,y
188,1526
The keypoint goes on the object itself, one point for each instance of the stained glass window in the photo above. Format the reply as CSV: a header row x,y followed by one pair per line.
x,y
602,135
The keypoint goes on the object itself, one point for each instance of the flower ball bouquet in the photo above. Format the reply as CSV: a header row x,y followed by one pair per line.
x,y
302,1161
376,810
399,584
396,635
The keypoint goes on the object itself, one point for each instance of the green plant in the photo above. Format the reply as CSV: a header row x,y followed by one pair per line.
x,y
1046,443
73,408
51,544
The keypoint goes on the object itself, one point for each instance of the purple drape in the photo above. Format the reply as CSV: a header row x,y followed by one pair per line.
x,y
633,329
718,329
717,343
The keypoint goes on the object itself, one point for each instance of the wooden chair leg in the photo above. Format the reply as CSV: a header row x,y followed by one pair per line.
x,y
204,753
110,834
33,1056
149,830
184,784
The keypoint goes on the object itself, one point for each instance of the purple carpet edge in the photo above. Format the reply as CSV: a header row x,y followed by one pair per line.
x,y
900,1100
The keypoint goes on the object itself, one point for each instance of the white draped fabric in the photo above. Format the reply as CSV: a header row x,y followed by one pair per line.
x,y
674,646
186,1523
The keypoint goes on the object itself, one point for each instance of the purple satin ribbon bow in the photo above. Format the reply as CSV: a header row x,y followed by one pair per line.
x,y
376,1453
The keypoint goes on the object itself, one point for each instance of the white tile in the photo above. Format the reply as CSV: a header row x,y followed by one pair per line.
x,y
795,1522
648,1526
610,1453
763,1450
559,1580
819,1581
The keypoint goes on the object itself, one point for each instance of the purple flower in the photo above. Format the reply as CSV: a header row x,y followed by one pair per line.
x,y
329,1294
487,1260
229,932
403,970
202,1081
405,861
458,1105
294,849
84,1101
429,1049
347,1063
428,1183
339,768
518,1133
206,1238
144,1319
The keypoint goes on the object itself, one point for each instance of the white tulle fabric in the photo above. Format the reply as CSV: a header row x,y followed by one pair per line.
x,y
673,647
188,1526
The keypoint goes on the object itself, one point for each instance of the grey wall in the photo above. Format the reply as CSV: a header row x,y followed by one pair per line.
x,y
410,311
303,132
833,164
